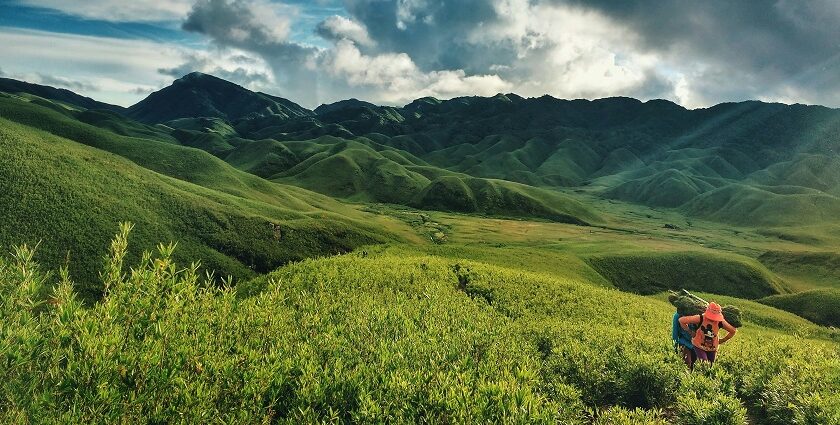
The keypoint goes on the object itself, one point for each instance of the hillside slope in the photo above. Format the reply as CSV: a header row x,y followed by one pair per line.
x,y
9,85
202,95
237,224
390,337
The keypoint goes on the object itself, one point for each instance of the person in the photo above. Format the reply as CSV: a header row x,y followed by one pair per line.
x,y
682,341
705,338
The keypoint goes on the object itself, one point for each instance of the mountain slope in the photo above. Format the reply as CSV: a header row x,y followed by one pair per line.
x,y
9,85
201,95
236,223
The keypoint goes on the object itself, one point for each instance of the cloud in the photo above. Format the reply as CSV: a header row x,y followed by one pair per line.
x,y
535,47
67,83
239,22
117,10
698,53
232,65
51,80
109,68
261,28
311,75
336,28
141,90
394,78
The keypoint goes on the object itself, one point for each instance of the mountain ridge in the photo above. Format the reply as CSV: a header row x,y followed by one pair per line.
x,y
734,162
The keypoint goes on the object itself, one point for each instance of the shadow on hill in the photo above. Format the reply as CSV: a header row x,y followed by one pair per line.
x,y
653,272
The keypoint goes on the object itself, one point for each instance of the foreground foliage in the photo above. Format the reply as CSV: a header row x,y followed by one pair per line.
x,y
376,337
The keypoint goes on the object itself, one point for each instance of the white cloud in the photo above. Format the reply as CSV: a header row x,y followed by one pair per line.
x,y
338,27
118,10
564,51
394,78
117,70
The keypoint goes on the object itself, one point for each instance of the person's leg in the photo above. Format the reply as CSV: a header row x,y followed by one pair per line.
x,y
711,356
688,356
701,354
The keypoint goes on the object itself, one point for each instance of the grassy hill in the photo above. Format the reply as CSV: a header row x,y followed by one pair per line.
x,y
9,85
818,305
70,196
363,170
747,163
382,336
473,293
654,272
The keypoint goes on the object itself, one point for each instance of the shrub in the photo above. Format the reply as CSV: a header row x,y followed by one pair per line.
x,y
377,338
717,409
617,415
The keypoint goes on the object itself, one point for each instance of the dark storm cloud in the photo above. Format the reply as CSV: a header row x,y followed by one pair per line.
x,y
258,28
781,48
239,75
781,34
725,50
433,32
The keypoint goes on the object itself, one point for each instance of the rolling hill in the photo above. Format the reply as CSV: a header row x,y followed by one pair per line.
x,y
737,163
65,96
80,181
509,259
748,164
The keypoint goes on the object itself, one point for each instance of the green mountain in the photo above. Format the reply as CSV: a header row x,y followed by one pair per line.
x,y
64,96
737,163
483,230
68,184
201,95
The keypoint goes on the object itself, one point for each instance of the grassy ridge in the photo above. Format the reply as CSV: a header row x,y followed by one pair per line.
x,y
70,195
364,171
820,306
379,337
652,272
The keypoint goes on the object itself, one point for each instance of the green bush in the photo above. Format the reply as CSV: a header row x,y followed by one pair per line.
x,y
717,409
617,415
377,337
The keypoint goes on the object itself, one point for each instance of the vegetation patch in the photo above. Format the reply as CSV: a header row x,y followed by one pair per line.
x,y
652,272
378,338
820,306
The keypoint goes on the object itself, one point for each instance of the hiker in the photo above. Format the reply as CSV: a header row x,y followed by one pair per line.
x,y
682,341
705,339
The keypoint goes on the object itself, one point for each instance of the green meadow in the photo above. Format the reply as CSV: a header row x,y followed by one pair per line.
x,y
476,260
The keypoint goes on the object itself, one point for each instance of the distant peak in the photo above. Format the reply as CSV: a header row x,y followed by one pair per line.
x,y
194,74
202,77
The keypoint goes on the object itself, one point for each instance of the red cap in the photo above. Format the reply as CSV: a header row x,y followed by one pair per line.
x,y
714,312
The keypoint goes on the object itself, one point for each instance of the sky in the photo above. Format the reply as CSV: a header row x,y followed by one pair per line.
x,y
695,53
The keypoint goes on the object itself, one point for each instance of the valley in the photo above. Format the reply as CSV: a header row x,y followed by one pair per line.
x,y
451,260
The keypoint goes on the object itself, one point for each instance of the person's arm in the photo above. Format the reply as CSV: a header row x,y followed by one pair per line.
x,y
730,331
688,320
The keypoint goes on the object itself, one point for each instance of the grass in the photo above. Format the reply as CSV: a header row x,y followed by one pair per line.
x,y
362,170
820,306
69,195
653,272
382,337
523,316
805,269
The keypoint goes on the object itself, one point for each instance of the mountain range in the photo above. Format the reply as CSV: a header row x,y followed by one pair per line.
x,y
230,171
739,163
